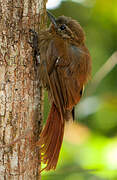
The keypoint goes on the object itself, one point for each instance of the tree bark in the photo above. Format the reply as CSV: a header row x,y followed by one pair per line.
x,y
21,95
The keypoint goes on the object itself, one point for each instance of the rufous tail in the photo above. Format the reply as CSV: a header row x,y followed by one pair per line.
x,y
51,139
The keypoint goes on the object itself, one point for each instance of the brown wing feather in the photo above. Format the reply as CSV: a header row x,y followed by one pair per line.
x,y
68,74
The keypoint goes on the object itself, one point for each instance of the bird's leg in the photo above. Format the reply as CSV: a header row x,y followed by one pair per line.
x,y
34,44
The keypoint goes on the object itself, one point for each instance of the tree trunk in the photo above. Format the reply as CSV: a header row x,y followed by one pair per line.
x,y
21,94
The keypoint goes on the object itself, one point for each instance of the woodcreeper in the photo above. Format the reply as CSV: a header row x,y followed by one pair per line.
x,y
65,67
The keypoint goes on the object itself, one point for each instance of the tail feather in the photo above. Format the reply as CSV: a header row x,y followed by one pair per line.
x,y
51,138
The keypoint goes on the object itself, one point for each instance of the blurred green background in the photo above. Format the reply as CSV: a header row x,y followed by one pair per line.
x,y
89,150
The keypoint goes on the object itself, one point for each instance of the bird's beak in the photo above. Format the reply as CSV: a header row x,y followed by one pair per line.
x,y
52,19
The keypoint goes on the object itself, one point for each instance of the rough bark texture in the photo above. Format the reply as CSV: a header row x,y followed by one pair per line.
x,y
20,91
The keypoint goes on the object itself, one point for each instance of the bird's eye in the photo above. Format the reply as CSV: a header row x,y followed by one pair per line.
x,y
62,27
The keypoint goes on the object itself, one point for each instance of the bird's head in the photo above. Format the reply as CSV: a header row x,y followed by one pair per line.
x,y
66,28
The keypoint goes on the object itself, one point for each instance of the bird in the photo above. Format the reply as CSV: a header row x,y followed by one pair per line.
x,y
64,69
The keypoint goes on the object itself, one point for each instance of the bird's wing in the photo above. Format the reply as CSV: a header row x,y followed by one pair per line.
x,y
75,74
66,76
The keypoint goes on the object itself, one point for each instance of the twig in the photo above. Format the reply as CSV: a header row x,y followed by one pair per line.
x,y
103,71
